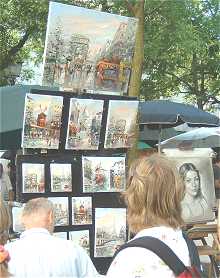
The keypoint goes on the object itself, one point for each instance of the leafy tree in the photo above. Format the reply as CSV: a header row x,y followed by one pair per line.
x,y
22,32
177,44
182,50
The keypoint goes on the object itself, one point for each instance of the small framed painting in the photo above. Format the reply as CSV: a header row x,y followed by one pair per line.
x,y
62,235
82,210
33,178
42,121
61,210
81,238
121,124
110,230
103,174
61,177
85,118
17,225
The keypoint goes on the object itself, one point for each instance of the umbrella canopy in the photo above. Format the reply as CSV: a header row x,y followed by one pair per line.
x,y
142,145
165,113
204,137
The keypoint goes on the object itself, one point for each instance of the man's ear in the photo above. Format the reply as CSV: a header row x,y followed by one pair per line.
x,y
50,217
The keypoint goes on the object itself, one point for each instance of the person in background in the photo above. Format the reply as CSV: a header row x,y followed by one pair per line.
x,y
153,197
39,254
216,173
4,230
194,204
5,185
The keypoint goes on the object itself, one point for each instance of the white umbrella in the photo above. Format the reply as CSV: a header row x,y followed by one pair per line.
x,y
203,137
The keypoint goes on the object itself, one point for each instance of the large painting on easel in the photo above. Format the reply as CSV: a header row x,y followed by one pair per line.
x,y
195,169
88,49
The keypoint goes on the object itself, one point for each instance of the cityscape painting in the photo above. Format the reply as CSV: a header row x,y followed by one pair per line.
x,y
103,174
81,238
62,235
121,124
61,210
82,210
33,178
110,230
61,177
87,49
84,125
17,225
42,120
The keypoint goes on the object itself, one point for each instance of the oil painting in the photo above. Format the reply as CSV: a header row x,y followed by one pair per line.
x,y
61,177
61,210
42,120
33,178
110,230
103,174
84,125
81,210
62,235
121,124
17,225
195,169
81,238
87,49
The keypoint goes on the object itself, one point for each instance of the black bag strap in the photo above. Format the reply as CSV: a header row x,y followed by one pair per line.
x,y
160,249
193,252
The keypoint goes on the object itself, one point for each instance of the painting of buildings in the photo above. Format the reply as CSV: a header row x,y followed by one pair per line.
x,y
61,210
121,124
110,230
33,178
87,49
42,120
61,177
81,238
82,210
84,125
103,174
62,235
17,225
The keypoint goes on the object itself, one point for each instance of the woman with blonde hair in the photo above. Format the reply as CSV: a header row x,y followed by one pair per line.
x,y
4,230
153,198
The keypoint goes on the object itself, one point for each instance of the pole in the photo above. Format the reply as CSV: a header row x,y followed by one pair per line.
x,y
159,140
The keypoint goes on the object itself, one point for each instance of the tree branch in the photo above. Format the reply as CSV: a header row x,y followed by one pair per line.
x,y
14,50
130,7
180,79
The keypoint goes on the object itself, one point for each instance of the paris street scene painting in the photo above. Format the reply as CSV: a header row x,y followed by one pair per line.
x,y
88,50
42,121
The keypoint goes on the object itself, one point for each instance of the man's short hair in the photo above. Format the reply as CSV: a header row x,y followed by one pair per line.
x,y
37,206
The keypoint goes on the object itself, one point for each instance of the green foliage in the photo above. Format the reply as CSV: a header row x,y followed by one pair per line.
x,y
182,50
181,47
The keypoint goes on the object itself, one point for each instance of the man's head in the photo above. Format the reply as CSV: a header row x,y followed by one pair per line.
x,y
38,213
